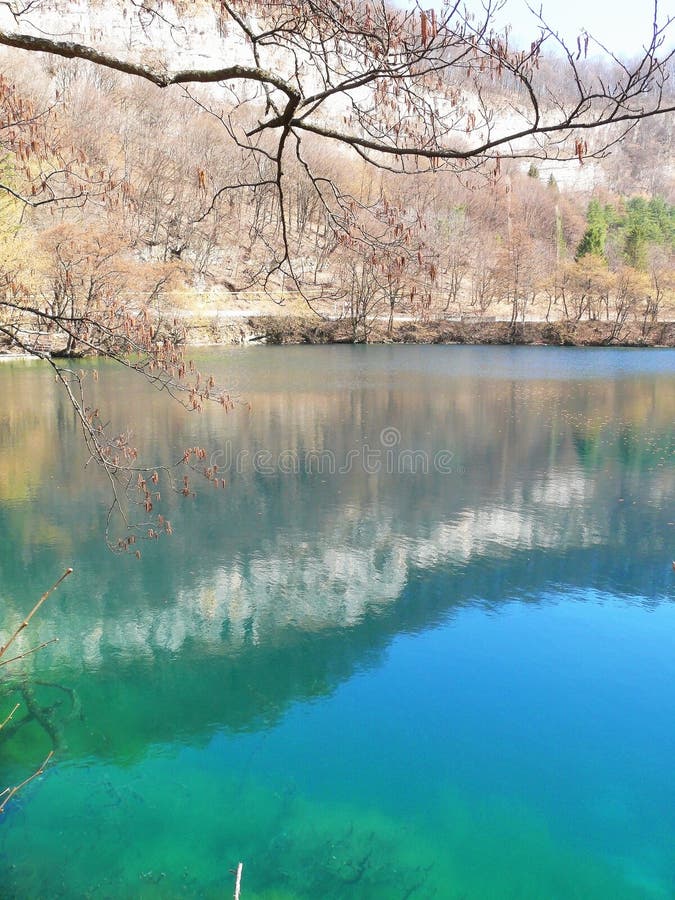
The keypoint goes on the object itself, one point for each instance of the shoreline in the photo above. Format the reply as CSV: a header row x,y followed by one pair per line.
x,y
280,330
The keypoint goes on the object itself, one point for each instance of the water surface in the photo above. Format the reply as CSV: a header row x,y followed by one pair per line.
x,y
422,645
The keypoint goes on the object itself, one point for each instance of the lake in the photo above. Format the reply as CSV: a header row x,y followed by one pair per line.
x,y
421,645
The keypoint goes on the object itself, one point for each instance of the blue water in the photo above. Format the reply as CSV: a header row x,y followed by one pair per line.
x,y
451,678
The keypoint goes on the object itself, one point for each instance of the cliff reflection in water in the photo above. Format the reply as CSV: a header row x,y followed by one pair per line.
x,y
288,582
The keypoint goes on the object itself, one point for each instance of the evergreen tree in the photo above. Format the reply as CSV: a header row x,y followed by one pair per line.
x,y
595,237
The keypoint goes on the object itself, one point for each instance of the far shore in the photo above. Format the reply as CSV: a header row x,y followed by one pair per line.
x,y
250,330
293,329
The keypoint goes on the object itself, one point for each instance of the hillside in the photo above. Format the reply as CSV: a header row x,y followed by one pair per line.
x,y
161,203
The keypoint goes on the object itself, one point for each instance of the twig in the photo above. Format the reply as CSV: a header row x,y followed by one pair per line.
x,y
6,662
15,790
9,718
30,615
8,793
237,886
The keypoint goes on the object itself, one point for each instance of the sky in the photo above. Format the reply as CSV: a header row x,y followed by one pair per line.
x,y
622,25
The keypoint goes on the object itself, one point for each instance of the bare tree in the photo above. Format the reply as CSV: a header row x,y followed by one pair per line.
x,y
364,300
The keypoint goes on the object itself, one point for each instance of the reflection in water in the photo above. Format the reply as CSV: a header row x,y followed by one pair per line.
x,y
537,466
297,586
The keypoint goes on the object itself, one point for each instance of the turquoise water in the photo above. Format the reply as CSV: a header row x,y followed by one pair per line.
x,y
433,658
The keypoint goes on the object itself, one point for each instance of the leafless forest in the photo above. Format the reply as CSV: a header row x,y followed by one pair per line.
x,y
119,194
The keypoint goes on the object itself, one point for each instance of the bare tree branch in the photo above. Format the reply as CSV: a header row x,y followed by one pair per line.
x,y
8,793
26,622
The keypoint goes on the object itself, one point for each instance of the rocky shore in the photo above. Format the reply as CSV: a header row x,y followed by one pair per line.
x,y
305,330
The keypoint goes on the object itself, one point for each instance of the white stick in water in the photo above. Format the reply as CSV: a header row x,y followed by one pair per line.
x,y
237,886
